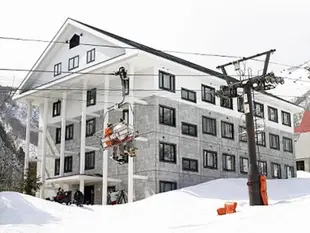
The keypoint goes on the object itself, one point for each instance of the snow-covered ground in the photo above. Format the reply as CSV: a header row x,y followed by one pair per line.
x,y
190,209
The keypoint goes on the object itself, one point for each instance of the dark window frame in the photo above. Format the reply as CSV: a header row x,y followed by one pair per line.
x,y
190,162
57,167
263,136
214,156
205,121
90,160
161,76
174,186
91,133
262,110
162,156
291,149
272,170
68,164
205,89
224,164
56,108
264,163
276,115
90,55
162,117
223,123
292,171
271,135
127,86
91,96
241,165
58,136
187,93
69,132
125,116
300,165
240,104
227,103
241,137
283,113
189,126
57,69
75,59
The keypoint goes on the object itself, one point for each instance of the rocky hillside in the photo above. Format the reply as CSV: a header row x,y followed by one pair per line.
x,y
12,139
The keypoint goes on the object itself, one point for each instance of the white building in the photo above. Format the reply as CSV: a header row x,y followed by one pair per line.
x,y
188,129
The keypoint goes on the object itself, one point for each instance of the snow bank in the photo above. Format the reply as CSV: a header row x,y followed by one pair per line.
x,y
191,209
303,174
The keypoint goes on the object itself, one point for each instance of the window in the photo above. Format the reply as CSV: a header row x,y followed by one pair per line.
x,y
90,160
166,81
190,165
126,115
166,186
166,116
73,62
276,170
258,110
262,167
287,144
244,165
300,165
126,84
74,41
91,97
208,94
286,118
90,55
58,135
273,114
167,152
68,164
189,129
243,136
274,141
240,102
69,132
209,126
209,159
227,130
289,171
57,167
229,162
227,103
90,127
260,138
188,95
57,69
56,108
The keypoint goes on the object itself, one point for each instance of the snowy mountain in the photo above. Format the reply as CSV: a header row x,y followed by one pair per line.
x,y
12,139
192,209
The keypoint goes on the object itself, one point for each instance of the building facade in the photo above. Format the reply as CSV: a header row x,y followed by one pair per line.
x,y
192,135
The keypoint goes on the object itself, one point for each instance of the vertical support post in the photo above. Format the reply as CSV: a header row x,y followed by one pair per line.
x,y
63,132
105,154
253,174
28,125
131,122
83,134
44,146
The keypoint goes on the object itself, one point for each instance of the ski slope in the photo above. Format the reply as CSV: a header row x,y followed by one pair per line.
x,y
190,209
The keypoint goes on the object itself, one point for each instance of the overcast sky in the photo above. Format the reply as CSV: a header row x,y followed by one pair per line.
x,y
239,27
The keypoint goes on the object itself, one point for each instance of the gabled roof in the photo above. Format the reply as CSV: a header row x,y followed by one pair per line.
x,y
304,126
157,52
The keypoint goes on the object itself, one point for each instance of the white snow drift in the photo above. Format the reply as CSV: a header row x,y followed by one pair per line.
x,y
190,209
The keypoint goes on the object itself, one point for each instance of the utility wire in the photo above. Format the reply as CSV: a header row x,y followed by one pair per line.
x,y
128,47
